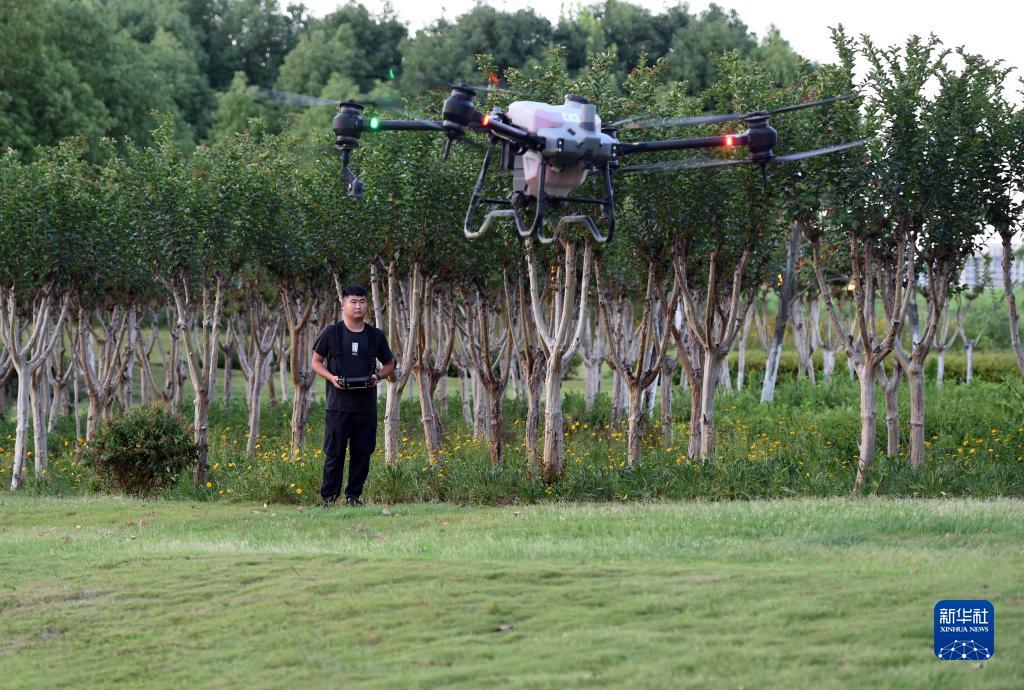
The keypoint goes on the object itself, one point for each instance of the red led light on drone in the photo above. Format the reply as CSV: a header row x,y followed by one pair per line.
x,y
487,120
728,140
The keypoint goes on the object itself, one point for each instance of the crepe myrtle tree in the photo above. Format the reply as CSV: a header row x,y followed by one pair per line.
x,y
873,206
724,248
1004,200
307,223
192,221
637,353
415,200
801,204
396,286
955,177
44,205
110,289
487,323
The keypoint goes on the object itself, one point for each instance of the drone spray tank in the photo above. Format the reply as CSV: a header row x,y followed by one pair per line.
x,y
572,135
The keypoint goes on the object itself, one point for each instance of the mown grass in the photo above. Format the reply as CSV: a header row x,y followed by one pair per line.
x,y
808,593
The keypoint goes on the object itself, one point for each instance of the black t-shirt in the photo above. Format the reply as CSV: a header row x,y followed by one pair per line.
x,y
349,353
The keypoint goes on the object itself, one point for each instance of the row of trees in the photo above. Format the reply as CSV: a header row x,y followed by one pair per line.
x,y
244,246
98,67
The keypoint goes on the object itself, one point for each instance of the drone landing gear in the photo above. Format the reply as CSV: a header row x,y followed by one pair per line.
x,y
535,229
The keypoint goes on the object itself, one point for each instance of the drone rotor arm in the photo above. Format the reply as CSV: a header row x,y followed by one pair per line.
x,y
512,134
722,141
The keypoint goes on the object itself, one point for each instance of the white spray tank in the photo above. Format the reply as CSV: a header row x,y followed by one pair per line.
x,y
572,135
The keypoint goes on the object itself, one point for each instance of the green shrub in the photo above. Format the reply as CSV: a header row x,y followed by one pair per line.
x,y
142,451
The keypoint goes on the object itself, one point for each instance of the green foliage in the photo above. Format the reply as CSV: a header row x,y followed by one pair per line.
x,y
142,451
95,68
236,107
317,56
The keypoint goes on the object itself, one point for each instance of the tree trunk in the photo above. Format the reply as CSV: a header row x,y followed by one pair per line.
x,y
23,411
480,408
534,386
969,352
915,378
495,428
693,445
554,432
635,426
93,415
300,418
619,399
667,432
392,422
254,417
78,416
771,365
201,421
724,376
37,402
741,359
467,405
431,428
228,365
802,341
712,370
441,396
592,381
890,390
1011,299
868,420
940,365
828,356
56,402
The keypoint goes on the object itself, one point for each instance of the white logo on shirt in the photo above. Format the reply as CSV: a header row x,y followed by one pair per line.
x,y
355,347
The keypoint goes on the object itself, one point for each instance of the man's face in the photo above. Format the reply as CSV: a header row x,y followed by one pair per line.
x,y
354,306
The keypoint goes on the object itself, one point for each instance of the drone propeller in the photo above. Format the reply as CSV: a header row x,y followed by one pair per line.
x,y
486,88
682,164
303,99
624,122
788,157
731,117
689,163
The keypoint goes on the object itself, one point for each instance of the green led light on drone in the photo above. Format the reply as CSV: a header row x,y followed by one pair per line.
x,y
374,122
391,73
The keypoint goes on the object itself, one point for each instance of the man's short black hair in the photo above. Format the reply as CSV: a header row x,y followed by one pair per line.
x,y
353,291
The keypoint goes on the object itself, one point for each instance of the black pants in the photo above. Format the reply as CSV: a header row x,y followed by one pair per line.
x,y
358,429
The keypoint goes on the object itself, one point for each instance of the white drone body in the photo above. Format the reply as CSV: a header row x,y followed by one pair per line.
x,y
572,137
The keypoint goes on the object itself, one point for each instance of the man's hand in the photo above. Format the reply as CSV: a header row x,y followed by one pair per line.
x,y
374,379
337,382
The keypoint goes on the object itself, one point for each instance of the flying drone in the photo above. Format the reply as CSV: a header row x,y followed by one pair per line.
x,y
551,149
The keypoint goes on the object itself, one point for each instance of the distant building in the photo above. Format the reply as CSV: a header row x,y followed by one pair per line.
x,y
987,268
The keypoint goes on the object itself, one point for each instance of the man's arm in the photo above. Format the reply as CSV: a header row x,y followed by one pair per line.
x,y
386,358
386,371
320,368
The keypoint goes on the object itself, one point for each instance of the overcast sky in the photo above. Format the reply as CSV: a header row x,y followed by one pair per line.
x,y
984,26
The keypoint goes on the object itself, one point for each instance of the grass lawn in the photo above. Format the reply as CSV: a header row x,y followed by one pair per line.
x,y
114,592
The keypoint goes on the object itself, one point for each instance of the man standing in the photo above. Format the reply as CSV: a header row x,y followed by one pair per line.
x,y
346,354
